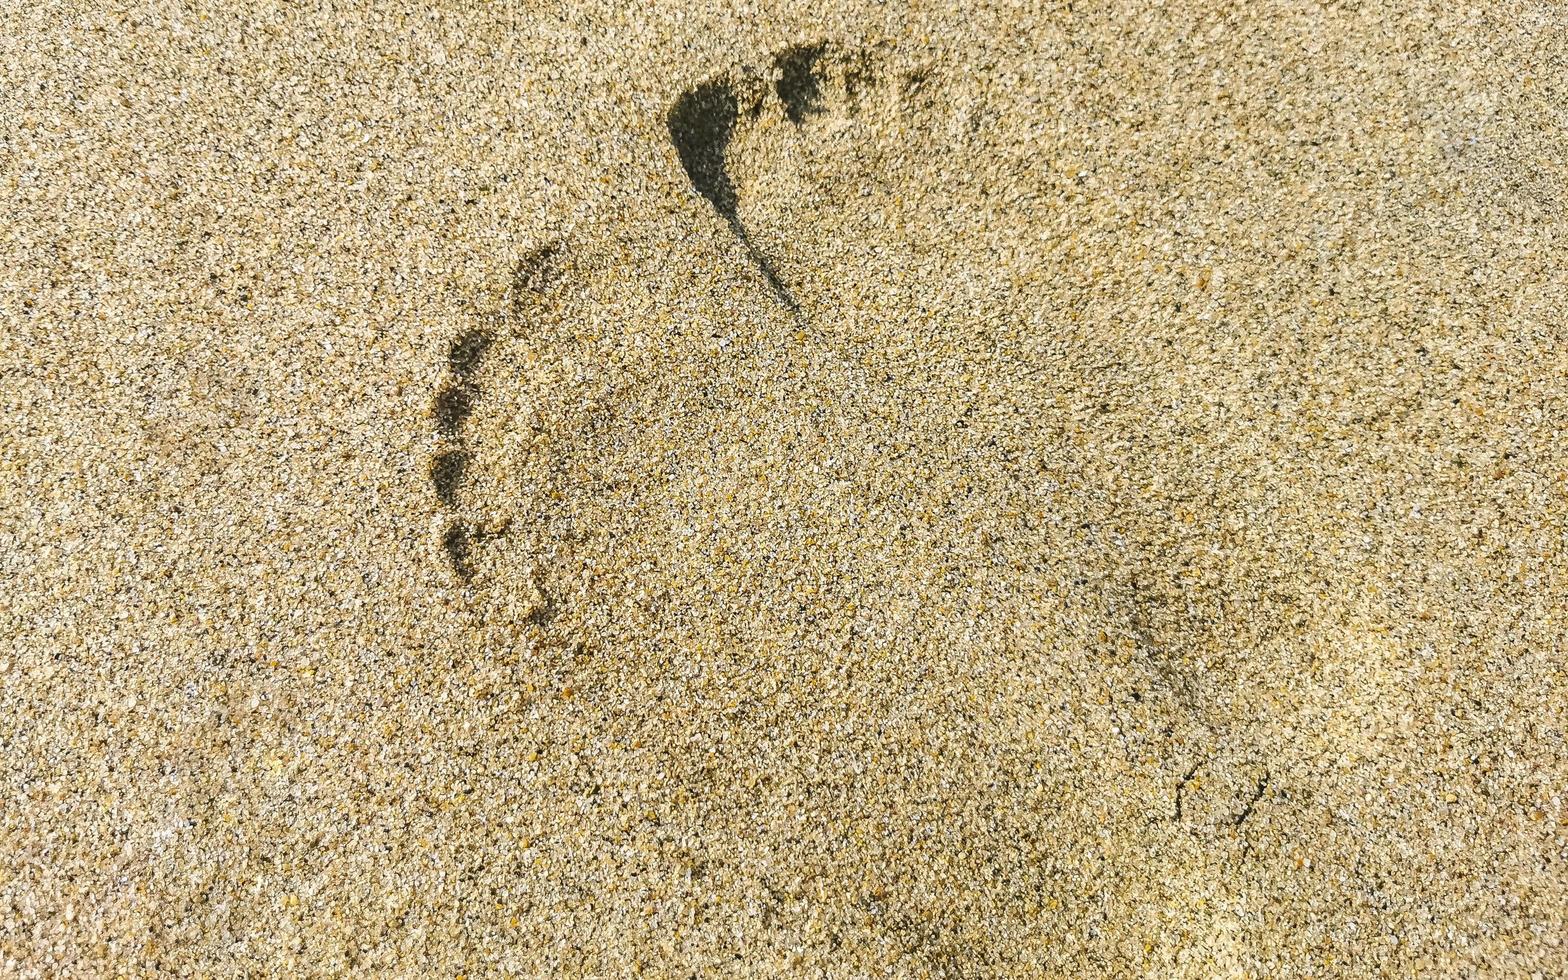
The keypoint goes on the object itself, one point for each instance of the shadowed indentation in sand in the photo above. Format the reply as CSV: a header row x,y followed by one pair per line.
x,y
814,87
702,124
466,351
467,525
452,406
535,273
446,473
797,87
456,400
454,541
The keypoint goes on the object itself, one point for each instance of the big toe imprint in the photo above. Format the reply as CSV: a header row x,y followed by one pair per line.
x,y
767,147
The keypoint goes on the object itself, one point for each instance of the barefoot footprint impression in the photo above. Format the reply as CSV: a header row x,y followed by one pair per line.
x,y
891,488
913,511
927,506
935,395
920,486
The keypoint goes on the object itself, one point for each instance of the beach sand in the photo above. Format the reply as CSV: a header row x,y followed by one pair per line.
x,y
838,489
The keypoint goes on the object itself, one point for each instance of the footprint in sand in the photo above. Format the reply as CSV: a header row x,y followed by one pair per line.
x,y
945,414
902,471
907,478
943,514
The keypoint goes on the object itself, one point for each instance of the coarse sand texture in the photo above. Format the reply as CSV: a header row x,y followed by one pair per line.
x,y
805,490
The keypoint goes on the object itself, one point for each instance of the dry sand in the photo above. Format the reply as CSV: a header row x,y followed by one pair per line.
x,y
833,490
